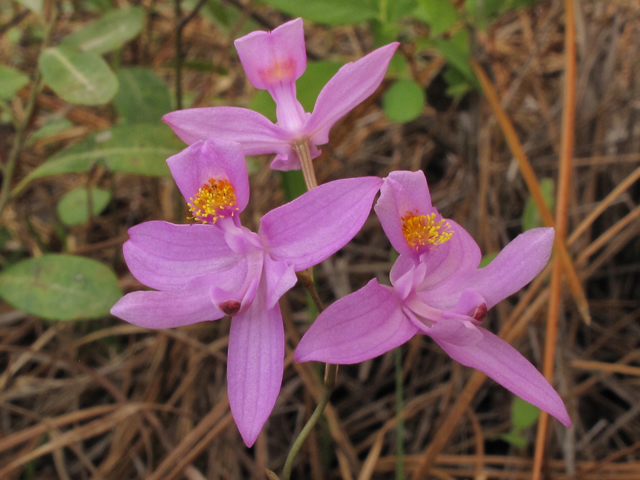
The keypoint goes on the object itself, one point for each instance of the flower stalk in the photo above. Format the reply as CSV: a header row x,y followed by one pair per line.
x,y
303,151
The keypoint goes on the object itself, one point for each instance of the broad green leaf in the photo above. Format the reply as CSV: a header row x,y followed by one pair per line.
x,y
308,87
458,84
487,259
108,33
531,215
397,9
60,287
50,128
440,15
73,208
515,438
404,101
330,12
34,5
140,149
458,52
483,12
11,80
83,78
143,97
523,414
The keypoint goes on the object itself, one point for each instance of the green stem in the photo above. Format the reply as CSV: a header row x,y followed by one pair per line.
x,y
330,374
21,131
304,155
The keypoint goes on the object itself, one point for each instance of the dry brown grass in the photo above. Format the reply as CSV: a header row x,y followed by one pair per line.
x,y
107,400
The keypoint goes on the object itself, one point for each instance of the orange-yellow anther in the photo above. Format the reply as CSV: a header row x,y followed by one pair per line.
x,y
216,199
424,230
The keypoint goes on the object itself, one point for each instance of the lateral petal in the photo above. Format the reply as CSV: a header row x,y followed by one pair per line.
x,y
166,309
317,224
503,363
253,131
165,256
350,86
255,365
280,278
356,328
515,266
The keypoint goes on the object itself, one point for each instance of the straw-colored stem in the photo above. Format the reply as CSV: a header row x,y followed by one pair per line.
x,y
304,155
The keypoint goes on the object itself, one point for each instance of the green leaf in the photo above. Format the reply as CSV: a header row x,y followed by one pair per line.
x,y
143,97
514,438
60,287
83,78
308,87
11,80
487,259
73,208
523,414
50,128
292,183
330,12
441,15
108,33
404,101
140,149
458,52
34,5
531,215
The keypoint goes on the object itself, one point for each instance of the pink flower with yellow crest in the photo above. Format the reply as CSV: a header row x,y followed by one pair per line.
x,y
273,61
218,267
438,290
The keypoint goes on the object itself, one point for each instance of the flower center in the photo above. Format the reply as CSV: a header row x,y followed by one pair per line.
x,y
280,69
216,199
424,230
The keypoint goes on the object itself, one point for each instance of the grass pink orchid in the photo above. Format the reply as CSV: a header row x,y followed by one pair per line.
x,y
438,290
274,61
206,271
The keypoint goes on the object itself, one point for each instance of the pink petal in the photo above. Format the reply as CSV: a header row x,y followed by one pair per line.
x,y
402,192
273,57
317,224
351,85
358,327
280,278
255,365
450,267
253,131
195,165
165,256
515,266
503,363
291,161
166,309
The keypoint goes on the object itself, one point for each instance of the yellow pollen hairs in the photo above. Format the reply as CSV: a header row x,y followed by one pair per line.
x,y
214,199
423,230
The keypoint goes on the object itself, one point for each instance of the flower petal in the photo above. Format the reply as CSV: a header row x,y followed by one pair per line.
x,y
253,131
515,266
274,57
402,192
166,309
280,279
358,327
195,165
255,365
351,85
165,256
317,224
503,363
449,267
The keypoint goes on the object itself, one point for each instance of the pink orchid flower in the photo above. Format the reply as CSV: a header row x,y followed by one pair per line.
x,y
438,290
274,61
206,271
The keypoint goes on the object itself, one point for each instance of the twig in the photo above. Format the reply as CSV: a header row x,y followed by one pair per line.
x,y
562,205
